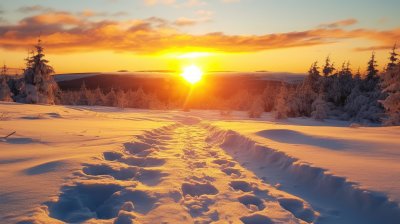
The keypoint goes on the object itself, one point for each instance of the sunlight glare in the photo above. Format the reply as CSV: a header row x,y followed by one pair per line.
x,y
192,74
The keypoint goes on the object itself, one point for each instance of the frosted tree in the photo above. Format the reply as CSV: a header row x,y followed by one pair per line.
x,y
328,68
138,99
84,95
257,108
97,97
111,98
122,100
371,80
268,97
5,93
391,85
346,83
320,108
281,106
393,60
40,86
313,78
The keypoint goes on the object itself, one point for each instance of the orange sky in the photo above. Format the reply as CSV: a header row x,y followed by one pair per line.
x,y
215,35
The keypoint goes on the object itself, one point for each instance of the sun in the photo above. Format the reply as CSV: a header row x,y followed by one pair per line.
x,y
192,74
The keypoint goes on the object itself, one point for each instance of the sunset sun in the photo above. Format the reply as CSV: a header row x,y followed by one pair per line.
x,y
192,74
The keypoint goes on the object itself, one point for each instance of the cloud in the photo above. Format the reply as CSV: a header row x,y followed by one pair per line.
x,y
230,1
34,8
158,2
203,16
338,24
66,32
175,3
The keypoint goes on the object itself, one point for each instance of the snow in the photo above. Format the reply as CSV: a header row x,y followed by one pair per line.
x,y
109,165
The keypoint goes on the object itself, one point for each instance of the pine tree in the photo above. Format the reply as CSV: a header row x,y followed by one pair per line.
x,y
281,106
256,108
328,67
40,86
122,100
5,92
98,97
393,58
111,98
83,95
320,107
313,78
371,80
391,85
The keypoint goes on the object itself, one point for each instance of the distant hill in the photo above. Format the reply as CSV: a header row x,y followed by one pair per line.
x,y
263,75
166,85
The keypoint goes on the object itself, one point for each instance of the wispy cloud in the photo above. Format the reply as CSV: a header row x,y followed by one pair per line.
x,y
66,32
340,23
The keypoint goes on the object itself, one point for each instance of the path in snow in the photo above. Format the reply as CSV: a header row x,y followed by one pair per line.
x,y
172,175
177,174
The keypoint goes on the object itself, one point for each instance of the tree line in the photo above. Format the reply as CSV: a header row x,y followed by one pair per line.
x,y
326,92
331,92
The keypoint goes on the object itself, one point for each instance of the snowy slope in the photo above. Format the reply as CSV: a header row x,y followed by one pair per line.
x,y
107,165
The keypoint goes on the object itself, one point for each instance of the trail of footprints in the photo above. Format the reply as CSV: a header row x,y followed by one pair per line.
x,y
125,186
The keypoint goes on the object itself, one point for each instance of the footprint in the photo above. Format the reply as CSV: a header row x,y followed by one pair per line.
x,y
230,171
150,177
119,173
249,200
241,185
224,162
298,209
198,189
256,219
197,206
138,148
112,156
198,165
82,202
143,162
142,201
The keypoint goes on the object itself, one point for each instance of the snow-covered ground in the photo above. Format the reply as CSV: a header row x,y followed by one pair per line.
x,y
108,165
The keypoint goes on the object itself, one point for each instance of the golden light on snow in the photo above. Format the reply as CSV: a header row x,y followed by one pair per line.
x,y
192,74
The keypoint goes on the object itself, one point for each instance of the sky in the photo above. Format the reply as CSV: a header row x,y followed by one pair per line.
x,y
216,35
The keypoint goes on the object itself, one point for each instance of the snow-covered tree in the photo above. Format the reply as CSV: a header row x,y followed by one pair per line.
x,y
281,106
257,108
111,98
84,95
393,59
122,100
328,68
97,97
40,86
313,78
320,108
5,93
391,85
346,83
371,80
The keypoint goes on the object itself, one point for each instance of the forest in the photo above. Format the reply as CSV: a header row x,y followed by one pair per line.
x,y
326,92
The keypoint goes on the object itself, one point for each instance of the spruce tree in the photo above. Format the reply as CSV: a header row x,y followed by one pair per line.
x,y
371,79
40,86
391,86
5,92
328,67
313,78
281,106
393,60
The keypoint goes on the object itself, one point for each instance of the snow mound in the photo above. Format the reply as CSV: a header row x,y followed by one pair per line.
x,y
312,183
